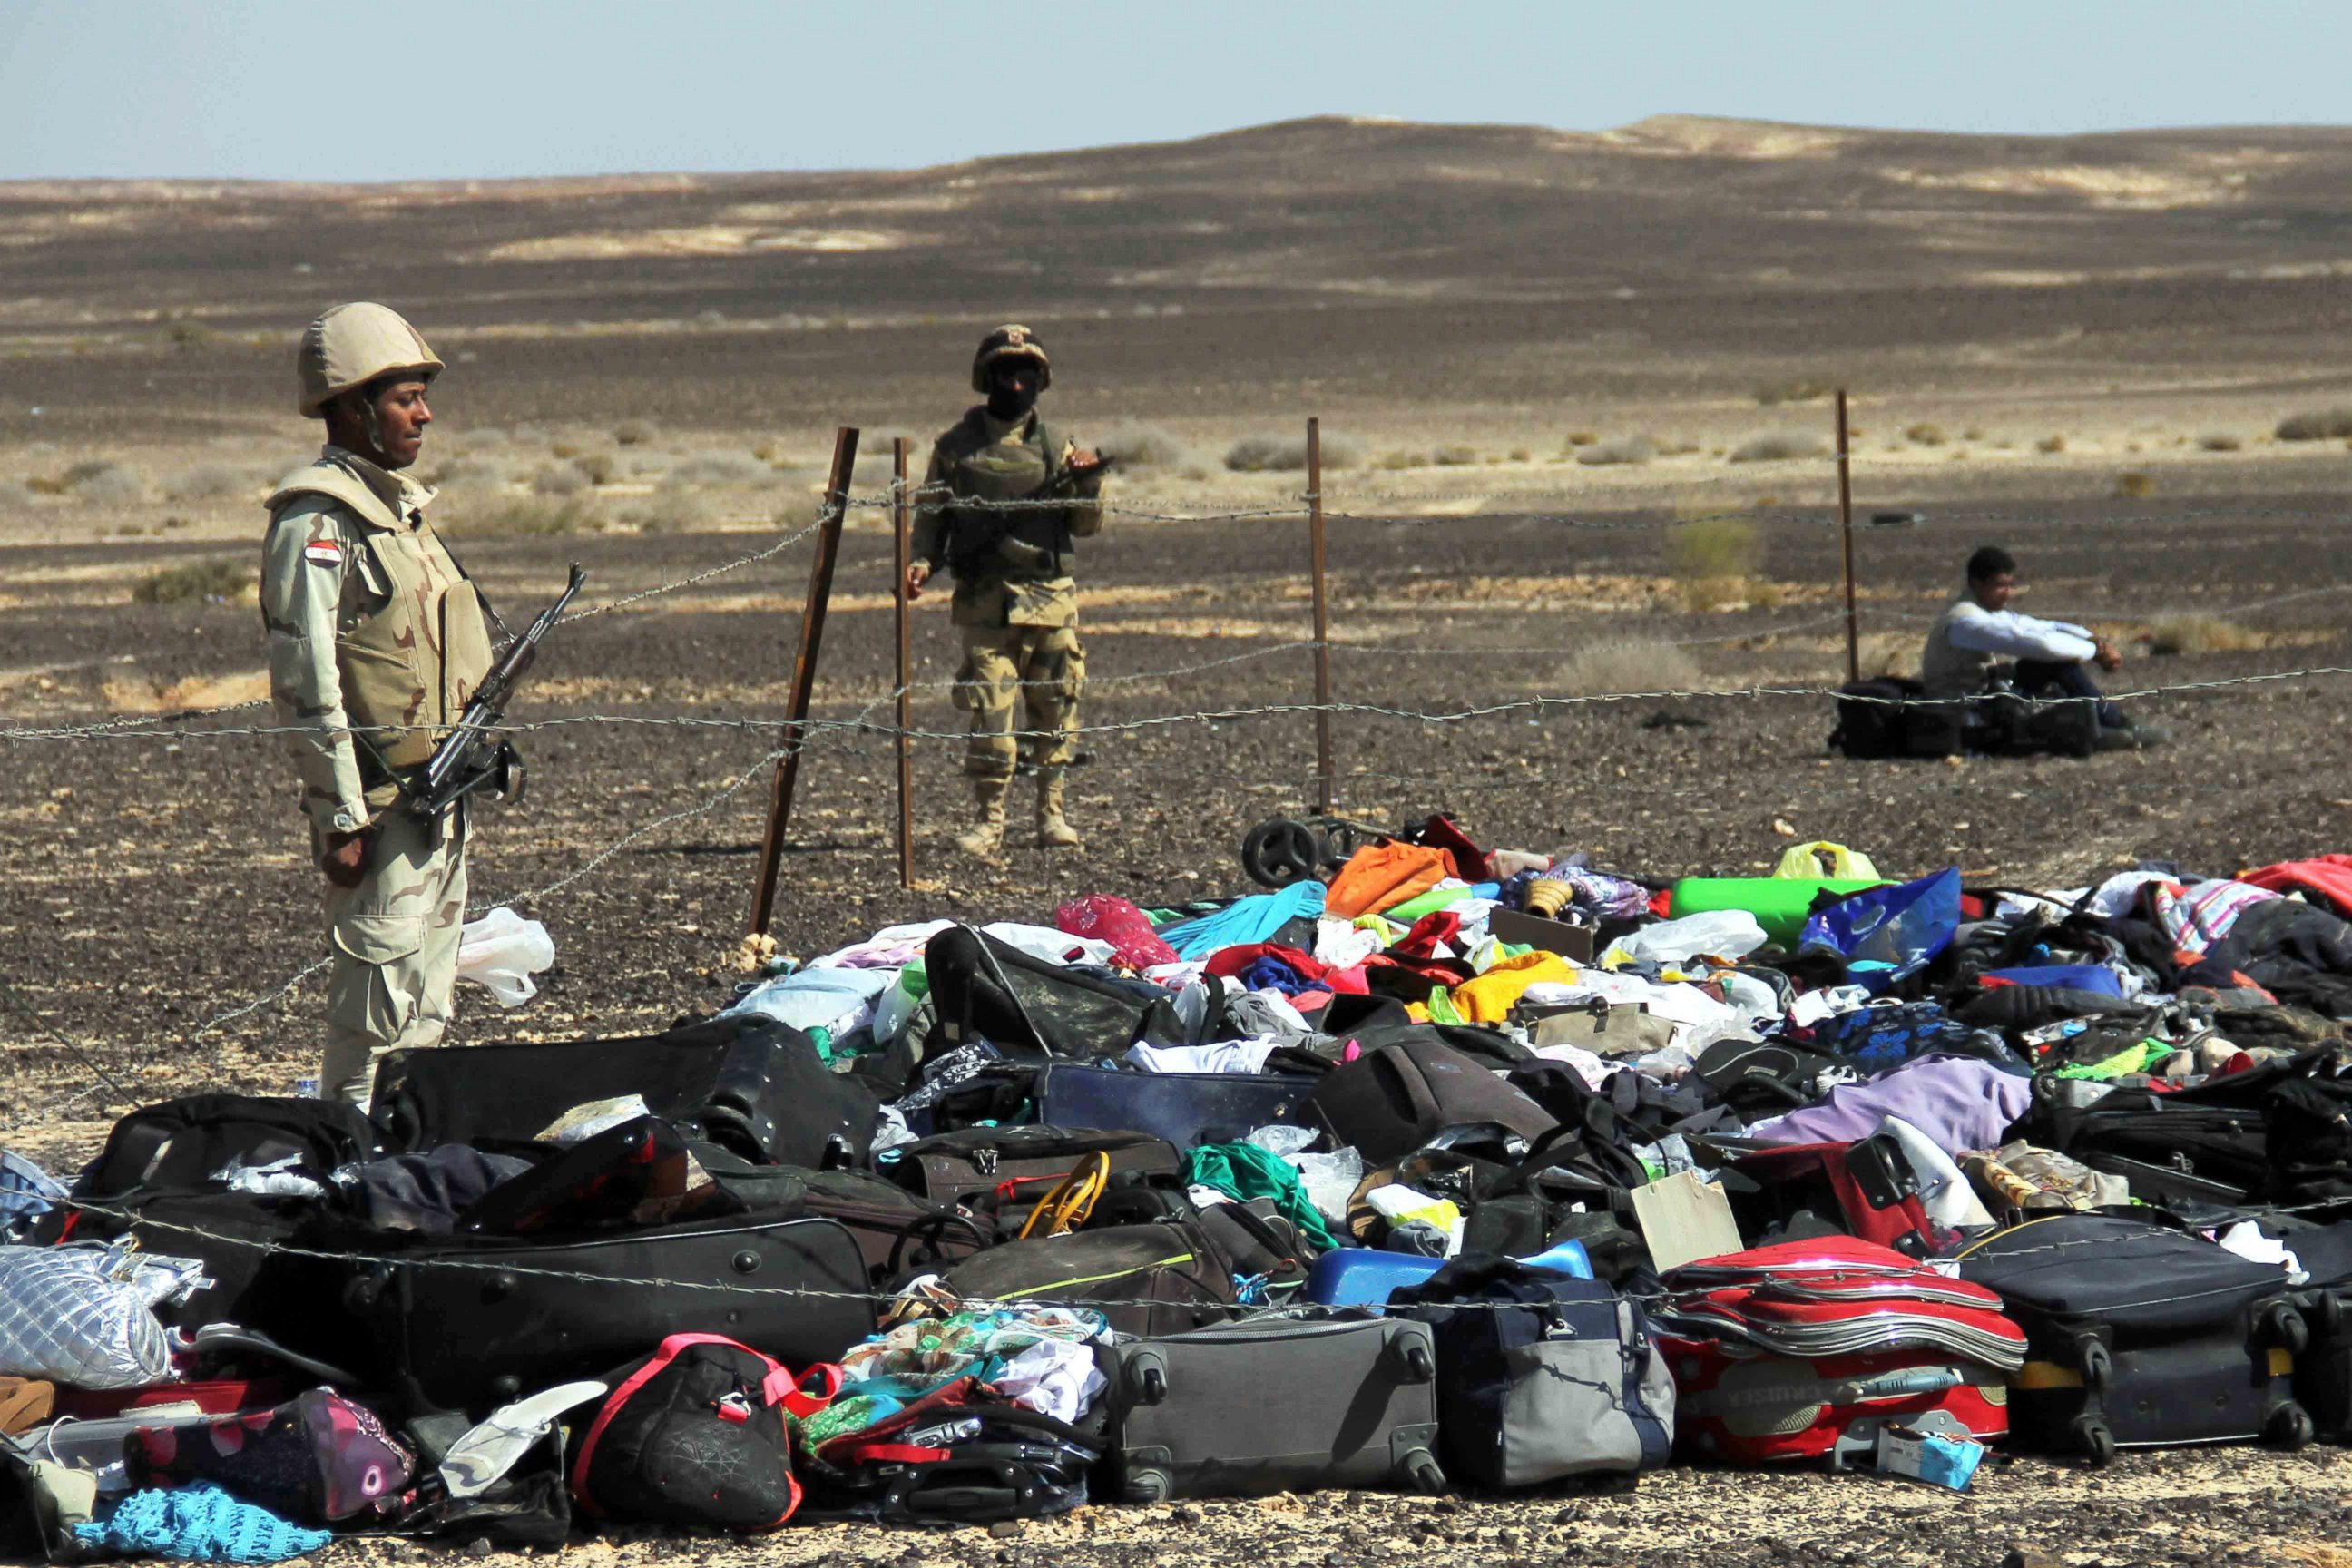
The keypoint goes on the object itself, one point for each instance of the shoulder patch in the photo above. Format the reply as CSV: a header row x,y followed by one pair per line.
x,y
323,553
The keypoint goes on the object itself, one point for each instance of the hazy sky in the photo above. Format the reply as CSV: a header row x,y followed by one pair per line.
x,y
328,90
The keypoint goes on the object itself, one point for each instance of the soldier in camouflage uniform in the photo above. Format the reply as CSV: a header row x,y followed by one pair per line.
x,y
1015,606
376,641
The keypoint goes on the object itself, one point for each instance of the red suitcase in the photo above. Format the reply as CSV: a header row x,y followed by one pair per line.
x,y
1800,1350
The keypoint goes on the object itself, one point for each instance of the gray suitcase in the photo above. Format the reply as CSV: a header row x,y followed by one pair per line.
x,y
1272,1405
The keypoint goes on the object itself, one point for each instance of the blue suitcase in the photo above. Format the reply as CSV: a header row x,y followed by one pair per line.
x,y
1363,1276
1186,1109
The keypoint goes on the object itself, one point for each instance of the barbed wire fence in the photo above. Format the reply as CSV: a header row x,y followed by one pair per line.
x,y
1804,533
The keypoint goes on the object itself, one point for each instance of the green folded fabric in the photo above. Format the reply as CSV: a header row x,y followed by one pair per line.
x,y
1245,1171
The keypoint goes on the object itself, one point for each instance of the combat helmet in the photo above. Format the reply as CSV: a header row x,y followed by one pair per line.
x,y
1010,342
352,345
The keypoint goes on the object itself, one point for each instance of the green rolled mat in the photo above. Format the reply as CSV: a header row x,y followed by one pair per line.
x,y
1778,903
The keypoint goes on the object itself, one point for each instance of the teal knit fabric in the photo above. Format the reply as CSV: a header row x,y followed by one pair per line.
x,y
200,1523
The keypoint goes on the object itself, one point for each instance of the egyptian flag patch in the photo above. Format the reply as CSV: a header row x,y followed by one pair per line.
x,y
323,553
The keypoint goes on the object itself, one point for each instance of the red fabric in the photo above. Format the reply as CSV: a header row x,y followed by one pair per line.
x,y
1235,962
2328,877
1105,917
1421,942
1463,859
1662,903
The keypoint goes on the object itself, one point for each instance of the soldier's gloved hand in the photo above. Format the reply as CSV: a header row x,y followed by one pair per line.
x,y
345,861
1086,462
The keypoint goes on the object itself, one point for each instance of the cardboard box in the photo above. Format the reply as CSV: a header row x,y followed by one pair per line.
x,y
1573,944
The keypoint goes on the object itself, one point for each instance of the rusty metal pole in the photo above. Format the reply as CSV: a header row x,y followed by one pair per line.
x,y
1845,527
901,521
1326,785
820,594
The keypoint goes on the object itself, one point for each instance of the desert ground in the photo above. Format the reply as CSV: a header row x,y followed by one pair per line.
x,y
1574,389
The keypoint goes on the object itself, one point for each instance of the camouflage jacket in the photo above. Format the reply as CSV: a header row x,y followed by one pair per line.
x,y
1011,564
376,636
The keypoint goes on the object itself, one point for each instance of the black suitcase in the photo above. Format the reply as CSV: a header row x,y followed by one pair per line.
x,y
2323,1369
470,1327
2190,1145
1027,1007
1395,1098
1872,721
1157,1279
749,1084
186,1143
2141,1336
1274,1405
1186,1109
1000,1169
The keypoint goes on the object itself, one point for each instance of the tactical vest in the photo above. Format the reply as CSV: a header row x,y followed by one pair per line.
x,y
411,644
1032,542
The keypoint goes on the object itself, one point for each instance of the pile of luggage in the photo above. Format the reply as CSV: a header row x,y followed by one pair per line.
x,y
1461,1170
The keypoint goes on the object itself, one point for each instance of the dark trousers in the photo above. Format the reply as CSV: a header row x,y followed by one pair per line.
x,y
2067,677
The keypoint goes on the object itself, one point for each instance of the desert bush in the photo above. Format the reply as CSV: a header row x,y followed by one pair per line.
x,y
2133,484
673,511
219,580
1797,389
1624,449
765,451
1713,562
46,485
1582,437
1286,453
1777,446
1522,454
110,484
1395,461
1627,664
524,514
716,469
15,495
2200,634
2050,444
1140,445
1674,445
2316,424
633,432
1925,434
563,451
1973,433
562,480
487,436
474,470
597,466
88,469
206,482
2219,441
1454,456
189,335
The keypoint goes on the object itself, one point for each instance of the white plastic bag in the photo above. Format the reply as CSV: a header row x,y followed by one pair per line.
x,y
1330,1180
501,952
1718,933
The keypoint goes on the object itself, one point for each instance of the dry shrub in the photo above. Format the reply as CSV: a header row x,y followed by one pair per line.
x,y
1715,563
599,466
2316,424
717,470
474,470
563,450
1629,664
1140,445
1395,461
2219,441
1623,449
487,436
1925,434
2200,634
206,482
524,514
14,496
46,485
1777,446
2051,444
1674,445
1522,454
562,480
1286,453
2132,485
1454,456
674,511
215,581
633,432
1582,437
107,484
1798,389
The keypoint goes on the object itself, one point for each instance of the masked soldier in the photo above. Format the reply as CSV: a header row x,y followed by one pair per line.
x,y
376,641
1015,603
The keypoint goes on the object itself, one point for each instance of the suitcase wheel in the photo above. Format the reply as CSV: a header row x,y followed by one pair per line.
x,y
1419,1366
2095,1437
1153,1383
2283,1326
1147,1486
2098,1364
2289,1428
1426,1476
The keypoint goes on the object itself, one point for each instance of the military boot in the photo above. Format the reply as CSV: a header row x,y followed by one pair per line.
x,y
1054,831
988,831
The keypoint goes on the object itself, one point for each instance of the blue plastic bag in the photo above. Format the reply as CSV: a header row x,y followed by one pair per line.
x,y
1885,933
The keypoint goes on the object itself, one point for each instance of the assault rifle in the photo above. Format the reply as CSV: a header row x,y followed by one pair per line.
x,y
470,758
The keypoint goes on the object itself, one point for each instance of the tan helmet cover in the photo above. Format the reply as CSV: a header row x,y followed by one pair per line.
x,y
1010,342
352,345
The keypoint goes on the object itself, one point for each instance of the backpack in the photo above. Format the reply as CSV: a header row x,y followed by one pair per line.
x,y
187,1142
1871,725
696,1434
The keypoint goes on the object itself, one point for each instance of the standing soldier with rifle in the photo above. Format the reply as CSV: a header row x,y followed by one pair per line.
x,y
1005,495
377,644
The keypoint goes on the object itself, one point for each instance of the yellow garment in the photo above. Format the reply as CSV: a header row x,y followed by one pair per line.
x,y
1489,998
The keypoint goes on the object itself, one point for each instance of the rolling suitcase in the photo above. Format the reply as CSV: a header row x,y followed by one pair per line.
x,y
1186,1109
1809,1349
1866,1189
1329,1404
1001,1167
1395,1098
2139,1336
470,1327
749,1084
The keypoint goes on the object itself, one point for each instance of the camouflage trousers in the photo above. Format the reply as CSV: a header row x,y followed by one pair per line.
x,y
1040,669
395,942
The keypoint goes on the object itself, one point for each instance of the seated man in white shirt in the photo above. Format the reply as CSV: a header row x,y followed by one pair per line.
x,y
1979,627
